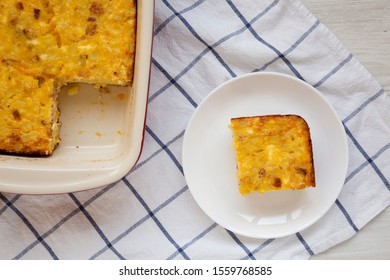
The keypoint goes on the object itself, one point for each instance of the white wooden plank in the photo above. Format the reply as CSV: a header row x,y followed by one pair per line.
x,y
363,26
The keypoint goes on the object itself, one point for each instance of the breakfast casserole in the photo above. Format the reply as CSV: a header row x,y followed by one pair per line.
x,y
47,44
273,152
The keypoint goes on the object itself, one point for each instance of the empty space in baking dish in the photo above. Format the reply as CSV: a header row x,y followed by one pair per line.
x,y
95,122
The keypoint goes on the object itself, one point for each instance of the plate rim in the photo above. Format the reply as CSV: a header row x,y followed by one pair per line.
x,y
283,76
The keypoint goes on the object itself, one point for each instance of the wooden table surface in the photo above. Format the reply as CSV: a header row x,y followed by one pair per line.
x,y
363,26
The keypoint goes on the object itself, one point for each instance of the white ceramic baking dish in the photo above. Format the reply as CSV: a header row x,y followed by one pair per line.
x,y
101,134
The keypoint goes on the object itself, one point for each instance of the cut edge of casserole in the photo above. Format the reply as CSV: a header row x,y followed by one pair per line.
x,y
273,153
29,121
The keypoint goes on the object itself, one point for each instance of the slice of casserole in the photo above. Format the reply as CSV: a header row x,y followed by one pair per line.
x,y
47,44
273,152
28,113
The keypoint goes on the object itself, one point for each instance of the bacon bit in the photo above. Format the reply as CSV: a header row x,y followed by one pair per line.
x,y
40,80
301,171
96,8
37,13
277,182
19,6
16,115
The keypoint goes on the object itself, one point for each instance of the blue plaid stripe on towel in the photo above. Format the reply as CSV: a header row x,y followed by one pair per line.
x,y
150,214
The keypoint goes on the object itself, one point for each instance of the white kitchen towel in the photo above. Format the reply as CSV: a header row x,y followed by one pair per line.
x,y
150,213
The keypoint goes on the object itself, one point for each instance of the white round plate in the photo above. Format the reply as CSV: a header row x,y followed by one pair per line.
x,y
209,159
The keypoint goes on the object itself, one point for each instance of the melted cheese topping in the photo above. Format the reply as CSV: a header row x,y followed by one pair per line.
x,y
273,153
45,44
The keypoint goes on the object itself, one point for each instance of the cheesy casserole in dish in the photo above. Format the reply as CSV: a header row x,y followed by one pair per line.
x,y
46,44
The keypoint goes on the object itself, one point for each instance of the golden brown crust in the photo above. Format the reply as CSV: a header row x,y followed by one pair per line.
x,y
273,152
